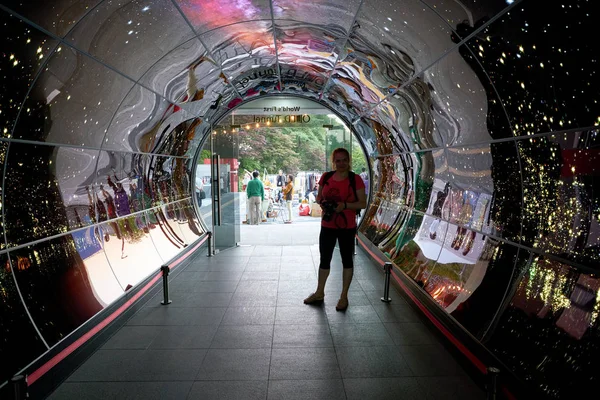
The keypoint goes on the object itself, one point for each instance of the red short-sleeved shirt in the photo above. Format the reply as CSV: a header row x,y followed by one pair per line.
x,y
339,192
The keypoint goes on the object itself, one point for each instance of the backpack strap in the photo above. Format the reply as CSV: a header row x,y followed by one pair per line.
x,y
327,176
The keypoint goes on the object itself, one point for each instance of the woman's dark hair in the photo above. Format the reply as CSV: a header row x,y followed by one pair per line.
x,y
291,177
255,174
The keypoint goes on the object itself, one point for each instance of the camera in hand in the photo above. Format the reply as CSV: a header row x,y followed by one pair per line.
x,y
328,209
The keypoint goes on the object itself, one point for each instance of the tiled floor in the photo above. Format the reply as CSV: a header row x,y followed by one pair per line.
x,y
237,329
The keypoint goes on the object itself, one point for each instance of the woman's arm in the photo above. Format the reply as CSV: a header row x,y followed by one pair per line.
x,y
361,203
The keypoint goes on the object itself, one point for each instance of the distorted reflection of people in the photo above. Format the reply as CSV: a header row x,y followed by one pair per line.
x,y
339,203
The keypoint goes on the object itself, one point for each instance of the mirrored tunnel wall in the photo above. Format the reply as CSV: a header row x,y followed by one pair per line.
x,y
489,197
95,189
479,118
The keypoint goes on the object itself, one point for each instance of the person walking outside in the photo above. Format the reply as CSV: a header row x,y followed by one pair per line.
x,y
341,194
288,194
256,194
365,177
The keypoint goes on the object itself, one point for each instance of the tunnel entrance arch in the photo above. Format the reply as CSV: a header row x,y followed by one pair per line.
x,y
289,133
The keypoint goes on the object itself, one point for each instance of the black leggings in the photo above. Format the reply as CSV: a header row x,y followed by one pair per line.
x,y
345,238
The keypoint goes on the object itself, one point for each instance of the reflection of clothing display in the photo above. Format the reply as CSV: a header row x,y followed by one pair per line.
x,y
110,205
101,211
121,199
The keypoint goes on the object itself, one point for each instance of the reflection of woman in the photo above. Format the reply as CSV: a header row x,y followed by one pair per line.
x,y
338,199
288,193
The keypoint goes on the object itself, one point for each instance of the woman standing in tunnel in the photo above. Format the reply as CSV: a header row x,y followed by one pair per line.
x,y
341,194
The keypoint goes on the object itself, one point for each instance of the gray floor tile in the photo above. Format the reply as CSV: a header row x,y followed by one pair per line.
x,y
132,337
188,299
252,299
235,364
450,388
140,365
391,312
410,333
372,362
239,251
209,287
430,360
243,337
305,335
266,267
297,275
249,316
177,316
229,390
292,299
302,251
257,287
223,276
384,388
122,390
265,259
322,389
304,363
354,314
370,284
375,296
297,262
183,337
372,334
307,287
235,267
266,251
260,276
303,314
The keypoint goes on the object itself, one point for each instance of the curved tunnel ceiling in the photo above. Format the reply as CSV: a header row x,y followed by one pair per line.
x,y
485,95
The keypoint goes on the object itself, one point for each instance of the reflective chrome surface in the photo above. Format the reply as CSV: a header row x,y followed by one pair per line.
x,y
480,120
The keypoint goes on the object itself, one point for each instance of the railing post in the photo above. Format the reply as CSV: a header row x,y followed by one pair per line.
x,y
492,382
165,270
387,269
20,387
209,244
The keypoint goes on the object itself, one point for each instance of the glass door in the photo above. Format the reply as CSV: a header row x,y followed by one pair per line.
x,y
225,196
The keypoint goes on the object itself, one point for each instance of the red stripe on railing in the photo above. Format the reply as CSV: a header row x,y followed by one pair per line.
x,y
37,374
